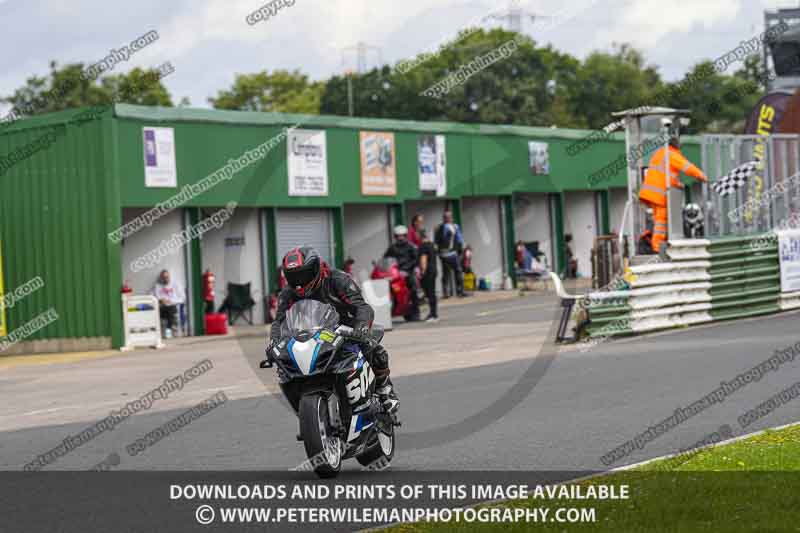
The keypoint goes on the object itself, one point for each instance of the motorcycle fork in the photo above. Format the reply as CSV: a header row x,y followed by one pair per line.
x,y
334,415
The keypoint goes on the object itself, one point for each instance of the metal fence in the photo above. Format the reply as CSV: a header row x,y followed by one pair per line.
x,y
768,198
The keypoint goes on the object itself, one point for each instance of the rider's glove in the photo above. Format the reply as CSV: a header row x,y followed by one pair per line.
x,y
363,332
270,360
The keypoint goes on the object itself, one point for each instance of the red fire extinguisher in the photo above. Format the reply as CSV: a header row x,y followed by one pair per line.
x,y
208,290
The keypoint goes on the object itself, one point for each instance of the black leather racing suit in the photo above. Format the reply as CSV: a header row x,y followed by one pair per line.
x,y
339,290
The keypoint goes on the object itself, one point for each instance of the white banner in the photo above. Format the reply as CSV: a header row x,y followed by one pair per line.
x,y
308,163
789,254
159,157
432,164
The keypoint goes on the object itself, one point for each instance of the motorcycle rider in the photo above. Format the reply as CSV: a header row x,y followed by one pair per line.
x,y
407,256
309,277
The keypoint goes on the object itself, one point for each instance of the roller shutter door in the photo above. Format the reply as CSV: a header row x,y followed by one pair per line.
x,y
312,227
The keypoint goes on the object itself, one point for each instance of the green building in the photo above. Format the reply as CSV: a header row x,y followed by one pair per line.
x,y
72,180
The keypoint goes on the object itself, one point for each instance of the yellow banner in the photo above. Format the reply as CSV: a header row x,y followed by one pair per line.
x,y
3,331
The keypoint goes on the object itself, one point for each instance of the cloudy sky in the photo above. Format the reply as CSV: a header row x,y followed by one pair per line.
x,y
209,41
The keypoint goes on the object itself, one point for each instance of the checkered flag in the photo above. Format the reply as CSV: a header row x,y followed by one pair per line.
x,y
735,178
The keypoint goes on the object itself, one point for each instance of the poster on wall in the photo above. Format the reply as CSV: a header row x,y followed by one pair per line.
x,y
159,157
432,164
308,163
378,174
789,254
539,157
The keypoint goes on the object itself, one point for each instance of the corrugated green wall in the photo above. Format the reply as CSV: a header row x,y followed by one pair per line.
x,y
56,208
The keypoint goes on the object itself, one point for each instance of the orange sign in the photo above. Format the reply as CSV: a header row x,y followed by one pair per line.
x,y
378,173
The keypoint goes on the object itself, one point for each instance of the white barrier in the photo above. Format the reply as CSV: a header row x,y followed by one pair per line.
x,y
688,249
672,272
377,294
790,300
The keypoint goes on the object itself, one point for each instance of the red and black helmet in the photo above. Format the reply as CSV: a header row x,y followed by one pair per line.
x,y
303,269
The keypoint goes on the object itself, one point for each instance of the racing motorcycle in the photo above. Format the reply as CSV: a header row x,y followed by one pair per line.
x,y
330,384
693,221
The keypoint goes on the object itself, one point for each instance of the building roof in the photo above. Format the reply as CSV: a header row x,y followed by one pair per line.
x,y
184,114
178,114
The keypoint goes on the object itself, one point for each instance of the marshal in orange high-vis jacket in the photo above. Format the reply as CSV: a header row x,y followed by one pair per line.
x,y
654,193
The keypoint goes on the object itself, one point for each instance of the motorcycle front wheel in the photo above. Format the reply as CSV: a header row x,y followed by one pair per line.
x,y
379,451
323,447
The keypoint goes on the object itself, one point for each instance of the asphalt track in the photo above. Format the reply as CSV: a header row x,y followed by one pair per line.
x,y
585,404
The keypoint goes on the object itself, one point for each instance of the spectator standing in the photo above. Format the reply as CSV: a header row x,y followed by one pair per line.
x,y
209,281
427,266
417,225
450,242
572,262
169,295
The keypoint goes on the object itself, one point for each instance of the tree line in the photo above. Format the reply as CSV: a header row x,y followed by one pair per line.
x,y
534,86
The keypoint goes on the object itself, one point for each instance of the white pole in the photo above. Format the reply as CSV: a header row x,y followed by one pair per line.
x,y
668,180
631,190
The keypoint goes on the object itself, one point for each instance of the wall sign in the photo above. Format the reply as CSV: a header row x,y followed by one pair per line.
x,y
308,163
432,164
159,157
539,158
378,174
789,254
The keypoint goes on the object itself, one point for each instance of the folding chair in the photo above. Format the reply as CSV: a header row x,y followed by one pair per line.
x,y
238,303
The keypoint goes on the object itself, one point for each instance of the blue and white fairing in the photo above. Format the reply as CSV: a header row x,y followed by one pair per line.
x,y
305,354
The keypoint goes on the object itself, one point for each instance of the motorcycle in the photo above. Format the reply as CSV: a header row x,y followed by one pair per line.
x,y
387,268
693,222
330,385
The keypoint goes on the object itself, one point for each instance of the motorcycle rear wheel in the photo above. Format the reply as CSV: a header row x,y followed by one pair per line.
x,y
323,448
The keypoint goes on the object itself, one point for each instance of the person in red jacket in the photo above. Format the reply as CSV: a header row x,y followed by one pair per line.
x,y
208,290
417,224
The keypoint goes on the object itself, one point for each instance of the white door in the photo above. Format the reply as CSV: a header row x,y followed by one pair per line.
x,y
233,253
580,220
142,248
532,223
482,228
617,199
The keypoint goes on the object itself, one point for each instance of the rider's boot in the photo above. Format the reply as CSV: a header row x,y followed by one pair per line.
x,y
386,393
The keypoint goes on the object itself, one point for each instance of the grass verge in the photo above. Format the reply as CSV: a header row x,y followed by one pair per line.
x,y
752,485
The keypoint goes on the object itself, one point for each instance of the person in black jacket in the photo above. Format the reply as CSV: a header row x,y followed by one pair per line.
x,y
427,267
406,255
309,277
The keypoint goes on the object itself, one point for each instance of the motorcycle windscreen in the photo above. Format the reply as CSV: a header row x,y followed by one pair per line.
x,y
309,316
